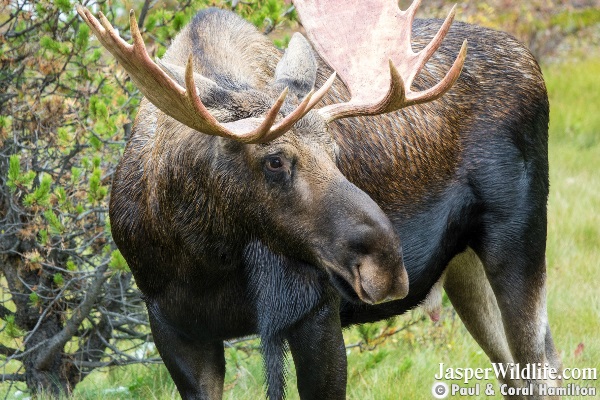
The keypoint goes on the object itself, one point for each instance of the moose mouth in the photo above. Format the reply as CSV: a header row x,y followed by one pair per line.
x,y
344,288
362,284
354,291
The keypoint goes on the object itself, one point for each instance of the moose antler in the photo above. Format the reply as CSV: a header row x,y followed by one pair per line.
x,y
184,104
377,34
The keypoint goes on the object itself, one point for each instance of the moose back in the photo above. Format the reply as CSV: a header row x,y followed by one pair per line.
x,y
262,192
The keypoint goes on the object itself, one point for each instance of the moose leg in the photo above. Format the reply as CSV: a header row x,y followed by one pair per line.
x,y
197,368
471,295
514,262
318,350
551,352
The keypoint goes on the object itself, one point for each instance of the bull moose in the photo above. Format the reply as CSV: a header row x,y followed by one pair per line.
x,y
262,192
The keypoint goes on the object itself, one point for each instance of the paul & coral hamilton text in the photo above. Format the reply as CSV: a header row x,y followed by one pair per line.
x,y
534,376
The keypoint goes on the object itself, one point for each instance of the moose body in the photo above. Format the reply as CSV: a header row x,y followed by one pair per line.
x,y
221,236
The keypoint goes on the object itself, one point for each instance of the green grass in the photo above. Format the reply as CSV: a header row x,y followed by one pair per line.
x,y
574,212
404,365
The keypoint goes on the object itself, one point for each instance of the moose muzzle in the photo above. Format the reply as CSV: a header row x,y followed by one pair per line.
x,y
365,247
372,285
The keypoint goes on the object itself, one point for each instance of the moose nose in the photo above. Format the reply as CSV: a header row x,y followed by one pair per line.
x,y
378,270
374,283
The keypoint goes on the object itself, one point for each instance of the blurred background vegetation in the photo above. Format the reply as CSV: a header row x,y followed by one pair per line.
x,y
69,308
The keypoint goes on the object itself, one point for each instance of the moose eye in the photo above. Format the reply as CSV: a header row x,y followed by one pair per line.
x,y
274,163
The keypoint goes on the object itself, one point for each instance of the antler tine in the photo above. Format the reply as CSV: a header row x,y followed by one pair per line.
x,y
264,132
383,43
193,99
180,103
411,11
322,91
425,54
138,41
445,84
309,101
394,99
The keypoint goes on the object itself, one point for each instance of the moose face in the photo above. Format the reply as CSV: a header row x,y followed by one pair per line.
x,y
309,211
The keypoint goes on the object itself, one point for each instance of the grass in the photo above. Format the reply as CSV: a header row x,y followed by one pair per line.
x,y
404,365
574,212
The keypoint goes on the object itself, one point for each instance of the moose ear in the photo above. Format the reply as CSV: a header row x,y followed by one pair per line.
x,y
297,69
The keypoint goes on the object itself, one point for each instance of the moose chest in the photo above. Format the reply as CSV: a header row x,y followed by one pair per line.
x,y
215,307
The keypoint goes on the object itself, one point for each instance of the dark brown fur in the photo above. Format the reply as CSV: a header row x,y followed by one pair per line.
x,y
215,248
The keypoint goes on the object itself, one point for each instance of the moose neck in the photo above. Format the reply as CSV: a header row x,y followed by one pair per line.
x,y
186,206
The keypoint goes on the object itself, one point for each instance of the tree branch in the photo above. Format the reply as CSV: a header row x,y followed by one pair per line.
x,y
79,314
7,351
115,362
143,14
12,377
92,349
